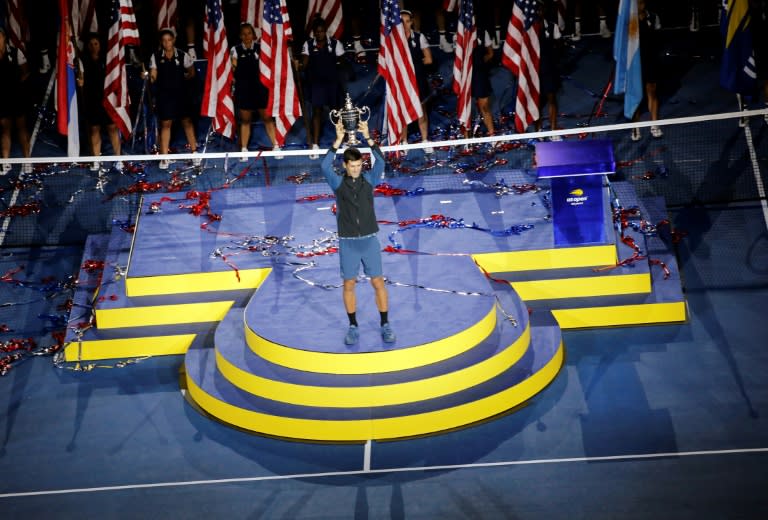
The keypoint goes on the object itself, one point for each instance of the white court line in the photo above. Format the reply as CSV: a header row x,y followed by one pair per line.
x,y
297,476
756,173
367,456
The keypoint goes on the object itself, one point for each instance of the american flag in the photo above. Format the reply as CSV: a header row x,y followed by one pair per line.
x,y
466,40
396,67
450,5
276,71
330,11
250,12
217,97
166,11
83,16
122,31
16,24
562,9
521,55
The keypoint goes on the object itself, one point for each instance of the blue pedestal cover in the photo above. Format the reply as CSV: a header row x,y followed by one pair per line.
x,y
576,170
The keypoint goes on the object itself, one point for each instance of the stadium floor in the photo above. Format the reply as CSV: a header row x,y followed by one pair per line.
x,y
642,422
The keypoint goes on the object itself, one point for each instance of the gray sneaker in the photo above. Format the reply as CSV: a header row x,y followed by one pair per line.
x,y
352,335
387,334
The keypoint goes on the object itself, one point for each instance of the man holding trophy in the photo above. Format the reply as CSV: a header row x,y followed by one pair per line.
x,y
356,222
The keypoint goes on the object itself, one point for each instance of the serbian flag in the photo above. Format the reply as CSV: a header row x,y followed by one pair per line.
x,y
66,92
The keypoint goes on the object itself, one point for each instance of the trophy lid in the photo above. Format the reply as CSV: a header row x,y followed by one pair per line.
x,y
348,102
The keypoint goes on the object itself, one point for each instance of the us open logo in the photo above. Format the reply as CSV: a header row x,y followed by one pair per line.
x,y
577,197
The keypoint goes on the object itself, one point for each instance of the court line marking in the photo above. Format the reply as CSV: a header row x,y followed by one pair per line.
x,y
367,456
368,472
756,173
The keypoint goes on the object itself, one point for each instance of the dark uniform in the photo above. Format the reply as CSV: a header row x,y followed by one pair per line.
x,y
322,74
250,92
549,73
650,48
481,71
12,98
92,101
173,94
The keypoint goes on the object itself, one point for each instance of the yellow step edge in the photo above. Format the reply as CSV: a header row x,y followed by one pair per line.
x,y
195,282
128,347
382,395
380,429
583,287
373,362
611,316
181,313
555,258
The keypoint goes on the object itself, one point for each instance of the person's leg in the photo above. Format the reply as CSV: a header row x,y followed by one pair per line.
x,y
269,126
382,303
317,124
114,139
246,118
653,108
165,135
349,295
189,131
5,137
380,290
552,105
424,124
484,106
23,133
653,100
94,135
94,132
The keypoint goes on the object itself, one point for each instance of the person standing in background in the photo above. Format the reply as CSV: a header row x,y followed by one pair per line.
x,y
421,57
650,48
91,80
13,73
170,70
481,78
250,93
319,57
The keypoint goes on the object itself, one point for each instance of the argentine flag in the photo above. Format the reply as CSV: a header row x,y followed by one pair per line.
x,y
626,52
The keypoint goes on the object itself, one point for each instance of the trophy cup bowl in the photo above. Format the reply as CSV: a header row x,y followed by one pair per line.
x,y
350,116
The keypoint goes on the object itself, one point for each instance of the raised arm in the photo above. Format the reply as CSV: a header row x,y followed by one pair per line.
x,y
377,169
326,166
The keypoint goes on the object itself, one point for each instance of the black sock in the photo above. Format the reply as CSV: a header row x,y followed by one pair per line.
x,y
352,318
384,318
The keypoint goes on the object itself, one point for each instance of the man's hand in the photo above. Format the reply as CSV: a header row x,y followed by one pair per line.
x,y
339,134
362,127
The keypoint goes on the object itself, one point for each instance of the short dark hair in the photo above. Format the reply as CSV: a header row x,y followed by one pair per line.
x,y
318,22
91,36
167,30
352,154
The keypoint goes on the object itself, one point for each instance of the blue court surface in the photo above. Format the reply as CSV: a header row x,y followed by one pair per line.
x,y
656,421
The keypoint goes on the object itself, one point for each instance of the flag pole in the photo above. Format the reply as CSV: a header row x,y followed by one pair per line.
x,y
145,80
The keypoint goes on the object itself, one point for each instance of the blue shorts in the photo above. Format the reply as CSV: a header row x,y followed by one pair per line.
x,y
354,251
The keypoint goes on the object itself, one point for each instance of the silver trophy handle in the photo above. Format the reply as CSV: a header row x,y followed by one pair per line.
x,y
350,117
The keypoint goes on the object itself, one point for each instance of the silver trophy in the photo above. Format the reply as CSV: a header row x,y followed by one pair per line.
x,y
350,118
